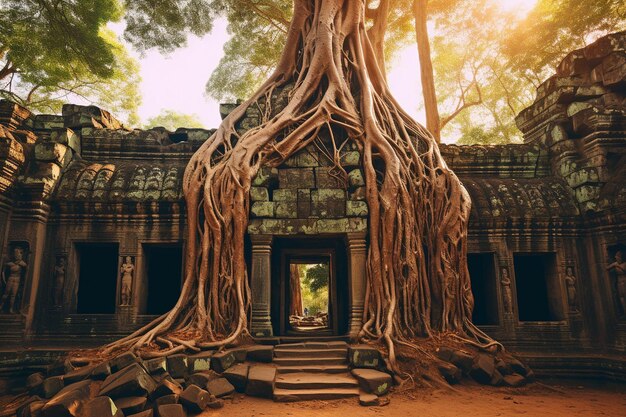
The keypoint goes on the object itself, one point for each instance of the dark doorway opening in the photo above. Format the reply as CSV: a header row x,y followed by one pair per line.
x,y
164,276
483,277
97,280
321,268
538,295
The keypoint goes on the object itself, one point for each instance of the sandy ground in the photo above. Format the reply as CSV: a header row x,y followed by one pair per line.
x,y
547,398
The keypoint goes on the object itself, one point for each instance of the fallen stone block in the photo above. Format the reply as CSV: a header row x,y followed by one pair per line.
x,y
238,376
101,371
373,381
450,373
368,400
514,380
145,413
260,353
51,386
171,410
483,368
34,382
69,404
167,399
194,398
131,405
166,387
496,379
261,381
364,356
156,366
458,358
31,408
102,407
83,386
221,361
133,381
200,362
122,361
202,378
220,387
215,403
177,365
78,374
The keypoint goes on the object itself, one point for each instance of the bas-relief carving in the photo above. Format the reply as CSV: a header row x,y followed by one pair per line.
x,y
137,183
507,293
570,287
127,271
618,268
13,276
58,276
153,183
102,180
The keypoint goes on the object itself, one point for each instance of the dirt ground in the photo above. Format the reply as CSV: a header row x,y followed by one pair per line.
x,y
546,398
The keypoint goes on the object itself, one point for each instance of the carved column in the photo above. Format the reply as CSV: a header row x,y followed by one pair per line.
x,y
260,285
356,268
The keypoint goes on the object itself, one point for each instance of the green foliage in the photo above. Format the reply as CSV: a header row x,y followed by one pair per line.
x,y
314,287
555,27
50,50
317,277
171,120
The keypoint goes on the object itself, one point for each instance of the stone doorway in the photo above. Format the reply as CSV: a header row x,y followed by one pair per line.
x,y
312,274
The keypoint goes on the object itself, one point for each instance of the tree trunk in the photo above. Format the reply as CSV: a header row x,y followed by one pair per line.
x,y
417,282
433,121
295,291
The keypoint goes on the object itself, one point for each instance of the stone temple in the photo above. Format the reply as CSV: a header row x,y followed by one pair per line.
x,y
92,220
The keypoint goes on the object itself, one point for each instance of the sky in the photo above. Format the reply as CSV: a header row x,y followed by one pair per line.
x,y
177,81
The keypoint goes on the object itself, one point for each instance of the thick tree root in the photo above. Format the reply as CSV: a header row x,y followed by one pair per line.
x,y
417,279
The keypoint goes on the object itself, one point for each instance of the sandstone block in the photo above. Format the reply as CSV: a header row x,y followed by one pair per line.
x,y
51,386
202,378
177,365
262,209
132,381
368,400
101,371
296,178
364,356
220,387
514,380
156,366
146,413
356,209
305,158
260,353
166,387
350,158
122,361
167,399
200,362
355,178
328,177
285,195
373,381
67,404
483,368
450,373
286,210
131,405
171,410
194,399
102,407
221,361
261,381
34,382
357,194
259,194
238,376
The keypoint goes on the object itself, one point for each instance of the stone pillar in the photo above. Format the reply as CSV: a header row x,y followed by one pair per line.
x,y
260,285
357,256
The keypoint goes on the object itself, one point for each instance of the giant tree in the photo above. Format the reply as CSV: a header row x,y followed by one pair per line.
x,y
417,281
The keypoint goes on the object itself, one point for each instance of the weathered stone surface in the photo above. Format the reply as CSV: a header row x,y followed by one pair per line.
x,y
102,407
101,371
329,177
259,194
285,195
296,178
262,209
83,386
355,178
177,365
133,380
458,358
514,380
194,399
32,408
51,386
364,356
221,361
238,376
78,374
202,378
358,194
122,361
350,158
53,152
307,157
328,202
167,399
156,366
368,400
260,353
215,403
264,177
145,413
450,373
171,410
356,209
261,381
483,368
166,387
131,405
199,362
286,210
68,404
220,387
373,381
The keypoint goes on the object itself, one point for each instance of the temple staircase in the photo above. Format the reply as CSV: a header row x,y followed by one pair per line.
x,y
313,371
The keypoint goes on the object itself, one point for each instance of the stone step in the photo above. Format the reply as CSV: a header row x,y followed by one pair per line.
x,y
305,380
310,353
290,395
316,369
320,360
314,345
